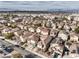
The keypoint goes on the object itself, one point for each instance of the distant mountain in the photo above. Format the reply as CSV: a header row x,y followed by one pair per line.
x,y
50,6
65,10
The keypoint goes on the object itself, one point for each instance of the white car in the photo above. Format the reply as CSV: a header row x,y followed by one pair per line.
x,y
1,47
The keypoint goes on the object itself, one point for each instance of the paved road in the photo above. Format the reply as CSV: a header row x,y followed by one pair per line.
x,y
1,42
23,52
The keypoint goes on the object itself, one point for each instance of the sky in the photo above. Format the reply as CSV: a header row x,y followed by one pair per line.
x,y
38,5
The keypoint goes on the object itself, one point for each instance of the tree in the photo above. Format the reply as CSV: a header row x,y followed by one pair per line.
x,y
56,18
13,26
9,35
77,30
64,18
17,55
6,16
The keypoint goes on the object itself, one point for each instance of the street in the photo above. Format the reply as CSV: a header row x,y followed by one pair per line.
x,y
22,51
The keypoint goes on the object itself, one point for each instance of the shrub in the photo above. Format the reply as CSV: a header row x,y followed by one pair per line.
x,y
9,35
77,30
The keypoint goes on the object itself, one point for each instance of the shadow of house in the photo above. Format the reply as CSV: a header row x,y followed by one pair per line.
x,y
29,56
78,50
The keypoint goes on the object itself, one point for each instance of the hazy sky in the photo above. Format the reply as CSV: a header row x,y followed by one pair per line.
x,y
38,5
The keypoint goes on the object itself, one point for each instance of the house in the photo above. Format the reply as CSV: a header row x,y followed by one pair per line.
x,y
3,21
51,48
77,24
73,50
74,36
73,26
7,30
56,48
56,42
60,25
2,54
20,25
63,35
43,37
48,23
15,29
66,27
53,25
54,32
46,43
36,22
68,17
19,33
33,40
74,22
45,31
16,19
40,45
43,23
31,29
25,36
76,18
25,27
38,30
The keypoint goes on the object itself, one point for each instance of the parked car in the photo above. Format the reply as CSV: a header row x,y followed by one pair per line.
x,y
2,46
3,39
1,51
17,45
9,49
22,48
29,56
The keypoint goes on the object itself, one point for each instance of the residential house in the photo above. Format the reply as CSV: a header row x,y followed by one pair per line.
x,y
15,29
74,37
73,50
16,19
2,21
2,54
63,35
76,18
40,45
25,27
48,23
45,31
43,37
60,25
43,23
54,32
66,27
53,25
46,43
19,33
31,29
33,40
38,30
56,49
68,17
20,25
73,26
7,30
56,42
24,37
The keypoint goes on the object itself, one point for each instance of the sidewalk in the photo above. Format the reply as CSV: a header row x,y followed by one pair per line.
x,y
12,42
36,53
